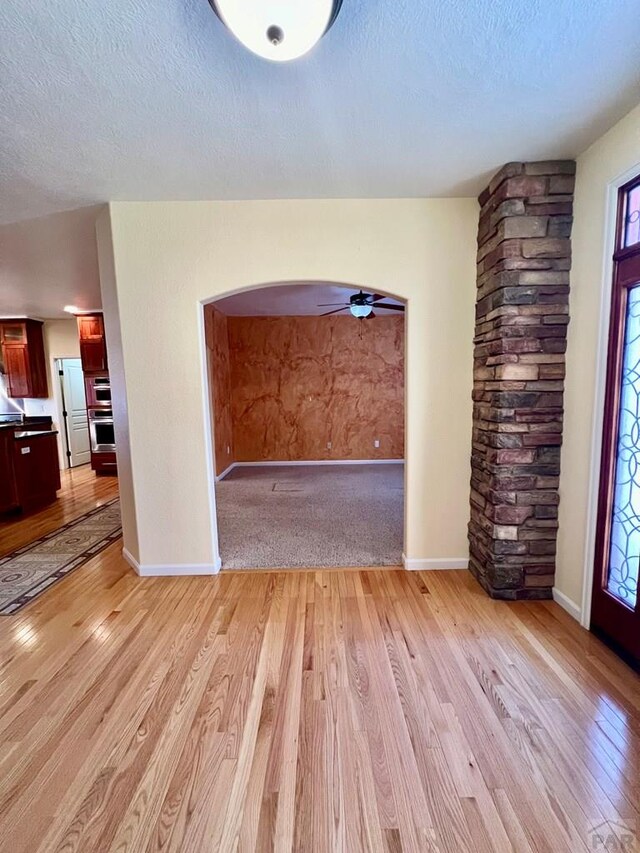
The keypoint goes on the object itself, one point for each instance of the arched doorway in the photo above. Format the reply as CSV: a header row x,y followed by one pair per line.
x,y
306,393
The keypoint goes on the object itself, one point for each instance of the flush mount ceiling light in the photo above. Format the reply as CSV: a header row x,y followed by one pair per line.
x,y
279,30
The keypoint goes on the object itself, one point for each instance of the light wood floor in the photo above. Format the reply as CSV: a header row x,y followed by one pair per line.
x,y
81,491
308,711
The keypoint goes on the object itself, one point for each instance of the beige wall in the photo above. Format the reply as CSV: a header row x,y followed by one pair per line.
x,y
124,443
603,164
169,257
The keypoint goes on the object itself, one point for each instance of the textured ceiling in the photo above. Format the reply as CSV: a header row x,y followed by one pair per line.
x,y
154,99
48,263
289,300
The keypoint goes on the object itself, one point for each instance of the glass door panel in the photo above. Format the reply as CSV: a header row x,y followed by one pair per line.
x,y
624,552
615,605
632,218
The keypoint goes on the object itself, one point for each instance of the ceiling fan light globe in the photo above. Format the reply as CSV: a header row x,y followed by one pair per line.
x,y
279,30
360,310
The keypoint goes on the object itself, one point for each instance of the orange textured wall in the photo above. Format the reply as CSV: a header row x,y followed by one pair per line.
x,y
298,383
220,382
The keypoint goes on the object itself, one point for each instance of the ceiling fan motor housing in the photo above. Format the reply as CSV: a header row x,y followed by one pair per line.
x,y
361,299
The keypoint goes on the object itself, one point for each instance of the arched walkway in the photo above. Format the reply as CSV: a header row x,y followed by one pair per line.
x,y
307,418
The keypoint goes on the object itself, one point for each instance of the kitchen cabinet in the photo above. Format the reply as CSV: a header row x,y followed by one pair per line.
x,y
29,471
93,352
23,356
8,493
104,463
35,462
93,346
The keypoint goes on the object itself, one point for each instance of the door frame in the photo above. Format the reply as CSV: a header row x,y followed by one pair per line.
x,y
63,432
602,351
62,418
58,394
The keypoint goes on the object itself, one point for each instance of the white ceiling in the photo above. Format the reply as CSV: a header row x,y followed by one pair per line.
x,y
291,299
154,99
48,263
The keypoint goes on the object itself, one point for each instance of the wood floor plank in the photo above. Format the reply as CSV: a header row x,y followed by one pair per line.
x,y
311,711
80,491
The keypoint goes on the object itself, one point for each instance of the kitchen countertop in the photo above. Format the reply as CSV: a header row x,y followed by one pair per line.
x,y
28,422
18,436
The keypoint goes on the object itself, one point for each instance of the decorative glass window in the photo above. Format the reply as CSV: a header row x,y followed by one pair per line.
x,y
624,554
631,233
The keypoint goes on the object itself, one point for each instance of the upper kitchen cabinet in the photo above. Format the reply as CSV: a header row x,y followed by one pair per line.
x,y
23,357
93,347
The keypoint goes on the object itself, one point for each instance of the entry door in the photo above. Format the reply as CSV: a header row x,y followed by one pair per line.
x,y
615,610
75,406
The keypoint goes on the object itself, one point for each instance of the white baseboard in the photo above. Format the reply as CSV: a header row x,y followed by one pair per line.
x,y
287,462
176,570
573,609
434,563
316,462
224,473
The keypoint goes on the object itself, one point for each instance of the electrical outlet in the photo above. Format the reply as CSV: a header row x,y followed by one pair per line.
x,y
328,445
376,442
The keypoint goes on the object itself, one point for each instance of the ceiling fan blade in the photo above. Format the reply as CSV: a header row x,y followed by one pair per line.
x,y
370,315
337,311
376,297
329,304
390,307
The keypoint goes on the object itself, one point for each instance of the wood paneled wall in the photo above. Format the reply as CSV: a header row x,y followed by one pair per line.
x,y
297,384
220,384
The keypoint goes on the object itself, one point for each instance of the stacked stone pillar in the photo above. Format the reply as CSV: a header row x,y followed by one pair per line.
x,y
522,312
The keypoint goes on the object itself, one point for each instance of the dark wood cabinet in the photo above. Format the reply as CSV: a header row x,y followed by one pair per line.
x,y
35,462
104,463
93,347
16,365
8,493
29,468
24,360
93,353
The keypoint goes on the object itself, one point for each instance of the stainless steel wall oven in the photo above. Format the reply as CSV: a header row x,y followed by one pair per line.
x,y
101,431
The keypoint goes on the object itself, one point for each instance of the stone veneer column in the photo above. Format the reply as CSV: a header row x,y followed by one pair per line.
x,y
524,257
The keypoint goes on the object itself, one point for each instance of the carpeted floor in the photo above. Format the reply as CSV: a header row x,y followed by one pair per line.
x,y
290,516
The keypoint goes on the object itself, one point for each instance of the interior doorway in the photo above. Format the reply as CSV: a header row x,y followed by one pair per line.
x,y
75,427
306,385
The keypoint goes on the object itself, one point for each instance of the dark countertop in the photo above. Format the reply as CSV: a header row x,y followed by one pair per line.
x,y
34,433
26,422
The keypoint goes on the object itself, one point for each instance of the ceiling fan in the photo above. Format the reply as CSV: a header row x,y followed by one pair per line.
x,y
361,305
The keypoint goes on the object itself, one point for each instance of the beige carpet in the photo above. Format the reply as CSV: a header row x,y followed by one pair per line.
x,y
293,516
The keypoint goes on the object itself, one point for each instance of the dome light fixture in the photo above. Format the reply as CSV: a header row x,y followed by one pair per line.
x,y
360,306
279,30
